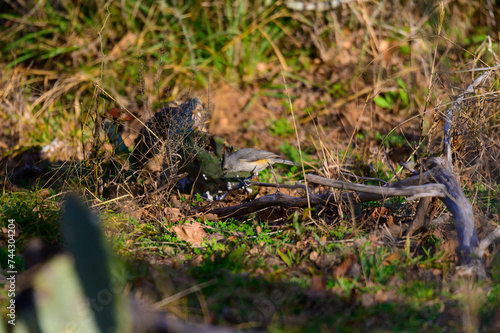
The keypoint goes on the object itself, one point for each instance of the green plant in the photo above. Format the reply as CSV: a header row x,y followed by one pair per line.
x,y
373,264
281,127
388,99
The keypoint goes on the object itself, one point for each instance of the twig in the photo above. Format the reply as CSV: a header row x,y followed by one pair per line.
x,y
483,245
457,106
184,293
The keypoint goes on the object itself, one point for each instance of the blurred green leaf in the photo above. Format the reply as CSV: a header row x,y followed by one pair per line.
x,y
382,102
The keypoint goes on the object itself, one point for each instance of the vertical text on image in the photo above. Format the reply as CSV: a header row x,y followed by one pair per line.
x,y
11,293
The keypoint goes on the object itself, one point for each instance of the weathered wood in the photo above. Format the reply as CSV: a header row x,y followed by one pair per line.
x,y
460,208
277,199
418,191
420,218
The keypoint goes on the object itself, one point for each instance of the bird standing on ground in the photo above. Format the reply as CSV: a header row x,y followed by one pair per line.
x,y
253,161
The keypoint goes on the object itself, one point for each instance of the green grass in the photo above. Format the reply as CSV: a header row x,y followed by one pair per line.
x,y
34,214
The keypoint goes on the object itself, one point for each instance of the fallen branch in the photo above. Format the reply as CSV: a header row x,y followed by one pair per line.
x,y
447,188
406,187
277,199
294,186
418,191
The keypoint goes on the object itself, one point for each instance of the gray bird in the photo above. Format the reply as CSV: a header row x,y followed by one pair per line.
x,y
253,161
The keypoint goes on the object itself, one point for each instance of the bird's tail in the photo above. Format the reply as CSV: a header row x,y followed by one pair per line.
x,y
288,162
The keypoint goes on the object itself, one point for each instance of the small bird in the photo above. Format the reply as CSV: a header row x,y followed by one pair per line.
x,y
253,161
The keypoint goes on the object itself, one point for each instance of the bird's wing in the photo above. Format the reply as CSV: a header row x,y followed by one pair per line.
x,y
260,155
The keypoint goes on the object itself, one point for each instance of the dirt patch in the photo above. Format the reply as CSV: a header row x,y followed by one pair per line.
x,y
242,118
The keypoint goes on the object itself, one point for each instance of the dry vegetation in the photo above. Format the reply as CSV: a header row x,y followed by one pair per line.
x,y
351,93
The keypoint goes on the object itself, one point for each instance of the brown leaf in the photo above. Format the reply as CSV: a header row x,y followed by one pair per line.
x,y
385,296
313,256
378,211
318,283
391,258
119,115
345,266
192,233
173,214
367,300
211,217
390,220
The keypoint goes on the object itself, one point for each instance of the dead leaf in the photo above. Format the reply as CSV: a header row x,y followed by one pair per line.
x,y
198,259
211,217
314,256
378,211
192,233
44,193
345,266
318,283
173,214
390,220
385,296
391,258
119,115
367,300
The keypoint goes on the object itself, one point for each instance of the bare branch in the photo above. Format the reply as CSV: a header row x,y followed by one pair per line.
x,y
487,241
428,190
294,186
277,199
